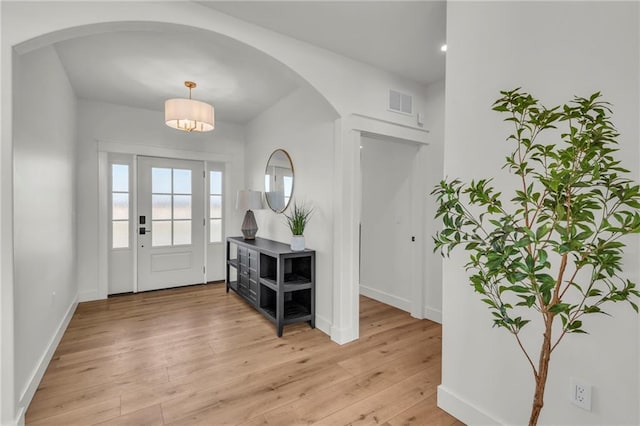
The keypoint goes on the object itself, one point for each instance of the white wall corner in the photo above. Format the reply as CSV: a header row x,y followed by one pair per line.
x,y
345,324
343,335
432,314
36,376
463,410
88,296
19,421
103,227
7,311
323,324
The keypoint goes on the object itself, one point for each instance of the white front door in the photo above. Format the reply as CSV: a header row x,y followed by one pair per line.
x,y
170,223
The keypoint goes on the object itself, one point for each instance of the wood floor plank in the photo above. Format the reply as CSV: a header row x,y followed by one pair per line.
x,y
220,376
87,414
422,413
199,355
148,416
53,400
318,404
376,408
366,359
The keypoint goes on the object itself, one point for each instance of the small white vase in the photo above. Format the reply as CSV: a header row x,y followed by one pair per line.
x,y
297,242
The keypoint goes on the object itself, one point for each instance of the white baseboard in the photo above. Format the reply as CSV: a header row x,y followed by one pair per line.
x,y
323,324
462,410
38,372
433,314
389,299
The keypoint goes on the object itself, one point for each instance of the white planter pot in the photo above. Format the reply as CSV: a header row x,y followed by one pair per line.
x,y
297,242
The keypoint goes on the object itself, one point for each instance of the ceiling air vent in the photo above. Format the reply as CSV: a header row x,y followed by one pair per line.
x,y
400,102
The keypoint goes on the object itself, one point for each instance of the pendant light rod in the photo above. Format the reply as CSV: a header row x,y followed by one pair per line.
x,y
190,85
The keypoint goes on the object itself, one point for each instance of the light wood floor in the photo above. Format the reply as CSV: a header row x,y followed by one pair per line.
x,y
197,355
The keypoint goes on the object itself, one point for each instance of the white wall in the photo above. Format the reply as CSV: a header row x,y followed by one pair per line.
x,y
302,125
386,228
554,50
45,215
433,165
134,130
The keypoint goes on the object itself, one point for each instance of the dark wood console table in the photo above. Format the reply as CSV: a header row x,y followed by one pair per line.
x,y
275,280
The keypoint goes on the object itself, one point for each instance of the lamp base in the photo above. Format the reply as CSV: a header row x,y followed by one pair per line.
x,y
249,226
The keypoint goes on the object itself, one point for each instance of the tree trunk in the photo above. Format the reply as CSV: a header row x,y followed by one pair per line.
x,y
543,369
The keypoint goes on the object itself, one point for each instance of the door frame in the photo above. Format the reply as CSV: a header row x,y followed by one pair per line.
x,y
346,212
416,213
106,147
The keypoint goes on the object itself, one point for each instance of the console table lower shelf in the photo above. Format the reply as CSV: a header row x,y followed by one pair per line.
x,y
278,282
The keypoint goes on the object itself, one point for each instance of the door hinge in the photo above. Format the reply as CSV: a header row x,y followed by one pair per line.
x,y
204,270
204,222
204,174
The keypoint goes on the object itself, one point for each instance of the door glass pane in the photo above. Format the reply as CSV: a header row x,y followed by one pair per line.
x,y
181,232
181,181
182,206
120,177
160,180
160,207
160,233
120,206
215,206
120,234
215,184
215,230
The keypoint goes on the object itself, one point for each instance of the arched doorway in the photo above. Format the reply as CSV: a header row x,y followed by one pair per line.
x,y
81,23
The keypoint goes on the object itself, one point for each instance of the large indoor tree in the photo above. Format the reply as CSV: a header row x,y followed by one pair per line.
x,y
552,251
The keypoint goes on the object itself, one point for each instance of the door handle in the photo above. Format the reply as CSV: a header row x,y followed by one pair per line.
x,y
144,231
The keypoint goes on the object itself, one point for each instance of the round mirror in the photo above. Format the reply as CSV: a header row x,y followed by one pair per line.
x,y
278,181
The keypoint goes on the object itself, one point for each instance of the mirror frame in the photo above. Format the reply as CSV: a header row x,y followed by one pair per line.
x,y
293,180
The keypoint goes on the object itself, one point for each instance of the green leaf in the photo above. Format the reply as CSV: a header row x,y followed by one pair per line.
x,y
559,307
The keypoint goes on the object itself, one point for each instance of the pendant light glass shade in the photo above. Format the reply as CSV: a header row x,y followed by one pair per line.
x,y
188,114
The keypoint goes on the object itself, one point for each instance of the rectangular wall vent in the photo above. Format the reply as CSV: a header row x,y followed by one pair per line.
x,y
400,102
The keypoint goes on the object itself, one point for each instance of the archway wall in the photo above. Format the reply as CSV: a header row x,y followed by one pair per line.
x,y
348,86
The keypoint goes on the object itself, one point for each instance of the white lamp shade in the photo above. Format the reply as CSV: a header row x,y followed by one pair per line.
x,y
189,115
249,200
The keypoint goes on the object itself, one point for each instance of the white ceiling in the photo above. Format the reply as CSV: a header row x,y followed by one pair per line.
x,y
403,37
143,67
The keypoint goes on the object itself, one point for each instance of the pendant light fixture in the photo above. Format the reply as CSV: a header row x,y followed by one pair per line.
x,y
188,114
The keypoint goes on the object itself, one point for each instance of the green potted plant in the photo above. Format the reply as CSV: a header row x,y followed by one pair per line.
x,y
552,253
297,220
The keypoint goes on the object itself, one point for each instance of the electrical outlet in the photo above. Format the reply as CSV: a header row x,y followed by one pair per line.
x,y
580,394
